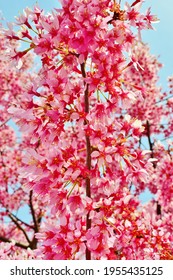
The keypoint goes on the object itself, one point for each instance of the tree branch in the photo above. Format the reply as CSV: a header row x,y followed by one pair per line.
x,y
165,99
149,136
33,211
4,239
19,226
158,208
148,132
36,221
5,122
88,156
19,220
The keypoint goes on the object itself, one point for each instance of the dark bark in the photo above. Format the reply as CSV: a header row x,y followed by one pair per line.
x,y
88,154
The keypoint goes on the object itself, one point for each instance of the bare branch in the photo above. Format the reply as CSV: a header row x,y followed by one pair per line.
x,y
19,220
167,98
36,227
4,239
88,156
19,226
149,141
5,122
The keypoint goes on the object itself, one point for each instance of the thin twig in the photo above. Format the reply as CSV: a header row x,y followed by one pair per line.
x,y
5,122
164,99
19,220
19,227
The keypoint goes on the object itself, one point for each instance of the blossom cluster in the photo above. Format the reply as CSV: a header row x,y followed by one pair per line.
x,y
91,104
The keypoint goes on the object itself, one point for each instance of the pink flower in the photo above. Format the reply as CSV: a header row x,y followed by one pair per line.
x,y
23,19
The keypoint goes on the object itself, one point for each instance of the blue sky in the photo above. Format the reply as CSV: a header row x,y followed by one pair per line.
x,y
161,40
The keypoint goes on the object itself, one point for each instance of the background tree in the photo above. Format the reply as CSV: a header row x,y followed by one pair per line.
x,y
17,232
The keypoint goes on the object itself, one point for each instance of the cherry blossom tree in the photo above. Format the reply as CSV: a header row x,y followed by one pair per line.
x,y
17,236
92,119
